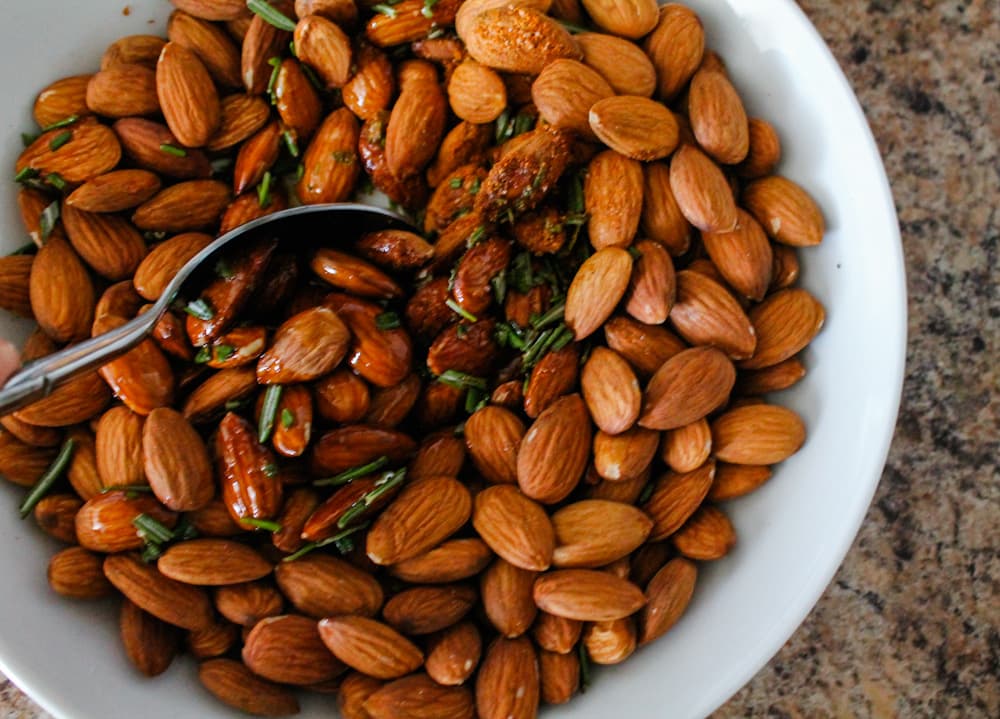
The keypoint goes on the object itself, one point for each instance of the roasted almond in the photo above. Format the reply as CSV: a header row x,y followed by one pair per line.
x,y
737,480
395,249
233,683
63,98
187,95
91,149
786,322
622,64
305,347
627,18
419,696
553,377
652,289
212,562
611,642
686,448
351,274
476,93
118,443
173,602
257,156
450,561
210,397
718,119
114,191
507,598
635,126
323,586
341,449
559,676
517,39
76,401
424,610
757,434
342,396
687,387
105,522
133,50
76,573
416,126
288,649
262,41
743,256
676,497
507,686
645,347
592,532
612,195
64,308
251,487
142,377
775,378
662,219
212,9
706,536
514,526
369,646
676,46
705,313
554,452
556,634
183,207
453,655
565,91
371,87
587,595
109,244
150,643
123,90
786,211
596,290
330,163
702,192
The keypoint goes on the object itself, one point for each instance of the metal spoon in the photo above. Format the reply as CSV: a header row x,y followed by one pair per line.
x,y
310,225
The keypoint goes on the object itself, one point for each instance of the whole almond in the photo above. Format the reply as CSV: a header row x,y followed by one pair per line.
x,y
212,9
592,532
416,126
775,378
15,279
508,683
686,448
517,39
564,93
355,688
133,50
587,595
718,119
22,464
119,448
554,452
645,347
635,126
305,347
369,646
626,455
598,286
453,655
676,46
149,642
507,598
559,676
330,163
450,561
246,604
262,41
493,435
383,357
743,256
91,150
705,313
340,449
419,697
63,98
30,434
143,141
391,405
212,562
737,480
662,219
114,191
298,103
76,401
687,387
554,376
142,377
757,434
354,275
706,536
215,641
256,156
175,603
556,634
105,522
611,642
187,95
622,64
676,497
785,322
82,471
765,150
321,586
242,116
56,516
627,18
288,649
62,294
702,192
76,573
425,610
476,93
613,199
184,207
369,91
214,520
611,391
653,286
786,211
422,516
514,526
210,43
109,244
233,683
342,12
251,487
123,90
210,397
785,271
342,396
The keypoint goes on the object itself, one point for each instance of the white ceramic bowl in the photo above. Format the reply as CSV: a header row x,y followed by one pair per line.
x,y
793,533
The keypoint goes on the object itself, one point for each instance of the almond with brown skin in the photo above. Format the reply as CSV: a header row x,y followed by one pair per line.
x,y
123,90
472,287
330,163
187,95
622,64
214,641
62,294
708,535
118,302
173,602
786,322
150,643
466,143
645,347
702,192
775,378
554,376
288,649
587,595
353,275
476,93
517,39
395,249
652,289
213,520
293,431
416,126
453,655
439,453
210,397
506,593
76,401
212,562
261,42
419,697
765,150
319,585
91,150
559,676
426,312
342,396
592,533
757,434
627,18
104,523
507,686
82,471
687,387
423,515
184,207
247,208
63,98
409,22
676,497
554,452
354,692
234,684
635,126
424,610
56,516
210,43
564,93
32,204
212,9
718,119
556,634
451,561
612,194
626,455
737,480
371,87
30,434
305,347
114,191
109,244
15,279
514,526
76,573
251,487
662,219
23,464
297,101
391,405
341,449
611,642
242,116
256,156
471,349
142,377
369,646
743,256
676,47
133,50
785,271
686,448
119,448
246,604
786,211
596,290
705,313
161,264
143,139
611,391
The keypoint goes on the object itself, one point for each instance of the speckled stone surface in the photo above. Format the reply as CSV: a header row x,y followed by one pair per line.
x,y
906,628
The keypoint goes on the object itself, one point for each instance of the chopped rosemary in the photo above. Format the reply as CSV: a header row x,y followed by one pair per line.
x,y
200,309
476,236
504,127
290,143
353,473
521,276
65,122
220,353
152,531
287,418
264,190
28,139
28,173
203,355
137,488
384,9
269,412
436,32
271,15
428,9
386,483
313,78
271,470
461,380
646,493
459,310
499,284
475,185
173,150
388,321
55,180
475,399
221,164
47,222
266,524
562,339
335,539
455,182
553,315
275,63
522,123
636,254
59,140
344,157
151,552
49,478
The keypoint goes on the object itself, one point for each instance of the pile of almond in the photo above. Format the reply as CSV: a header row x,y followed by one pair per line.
x,y
436,473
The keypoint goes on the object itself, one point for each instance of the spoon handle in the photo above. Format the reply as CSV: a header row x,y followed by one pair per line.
x,y
37,379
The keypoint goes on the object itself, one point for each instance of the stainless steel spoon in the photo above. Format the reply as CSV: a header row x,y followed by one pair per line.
x,y
310,226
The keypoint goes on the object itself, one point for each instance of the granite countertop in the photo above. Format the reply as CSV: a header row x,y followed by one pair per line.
x,y
906,628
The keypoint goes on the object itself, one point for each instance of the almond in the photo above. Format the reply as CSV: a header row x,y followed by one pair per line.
x,y
341,449
625,455
765,150
676,47
610,642
213,520
143,141
613,199
622,64
645,347
598,286
212,562
173,602
507,686
251,487
105,522
63,98
718,119
785,271
493,436
142,377
454,654
114,191
662,219
210,397
321,586
757,434
29,434
123,90
554,452
559,676
517,39
553,377
391,405
395,249
507,597
256,156
409,22
416,126
233,683
22,464
371,647
514,527
531,165
686,448
15,281
76,573
371,88
422,516
635,126
299,506
210,43
183,207
786,211
133,50
419,697
76,401
564,93
293,433
450,561
82,471
587,595
288,649
593,532
687,387
628,18
786,322
424,610
743,256
342,396
163,262
706,314
676,497
242,116
353,275
737,480
119,448
330,163
706,536
354,692
176,461
464,144
471,349
261,42
149,643
187,95
110,245
556,634
212,9
775,378
62,295
653,286
610,390
476,93
215,641
702,192
305,347
246,604
91,150
56,516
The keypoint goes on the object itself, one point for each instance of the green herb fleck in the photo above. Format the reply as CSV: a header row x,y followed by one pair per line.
x,y
272,81
265,524
344,157
48,479
151,552
647,492
47,222
353,473
28,173
428,9
55,180
203,356
476,236
335,539
59,140
271,470
385,484
264,190
388,321
65,122
269,411
474,186
384,9
220,353
173,150
461,311
200,309
28,139
290,143
499,284
271,15
224,270
461,380
455,182
475,400
636,254
553,315
287,418
151,530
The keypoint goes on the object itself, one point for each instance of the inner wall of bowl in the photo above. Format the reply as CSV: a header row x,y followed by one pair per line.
x,y
792,533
